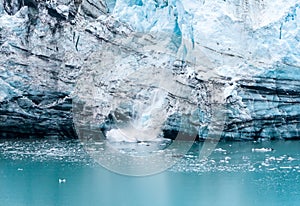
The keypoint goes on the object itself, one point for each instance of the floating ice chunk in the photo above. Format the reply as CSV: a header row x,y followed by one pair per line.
x,y
286,167
220,150
60,181
262,149
227,158
265,164
271,169
291,159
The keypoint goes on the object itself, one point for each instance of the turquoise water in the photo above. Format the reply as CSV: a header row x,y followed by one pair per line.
x,y
235,174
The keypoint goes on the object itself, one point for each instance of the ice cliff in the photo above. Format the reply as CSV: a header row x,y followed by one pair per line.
x,y
182,58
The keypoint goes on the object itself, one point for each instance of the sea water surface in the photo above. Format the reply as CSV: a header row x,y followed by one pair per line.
x,y
52,172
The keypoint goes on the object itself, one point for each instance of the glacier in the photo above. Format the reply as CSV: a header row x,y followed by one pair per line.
x,y
139,70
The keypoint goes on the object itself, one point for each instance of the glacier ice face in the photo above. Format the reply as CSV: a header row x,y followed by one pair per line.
x,y
242,54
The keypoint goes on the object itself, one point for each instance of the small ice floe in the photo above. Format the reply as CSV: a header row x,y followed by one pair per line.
x,y
189,156
265,164
225,160
262,149
278,159
271,169
220,150
291,159
271,158
60,181
286,167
